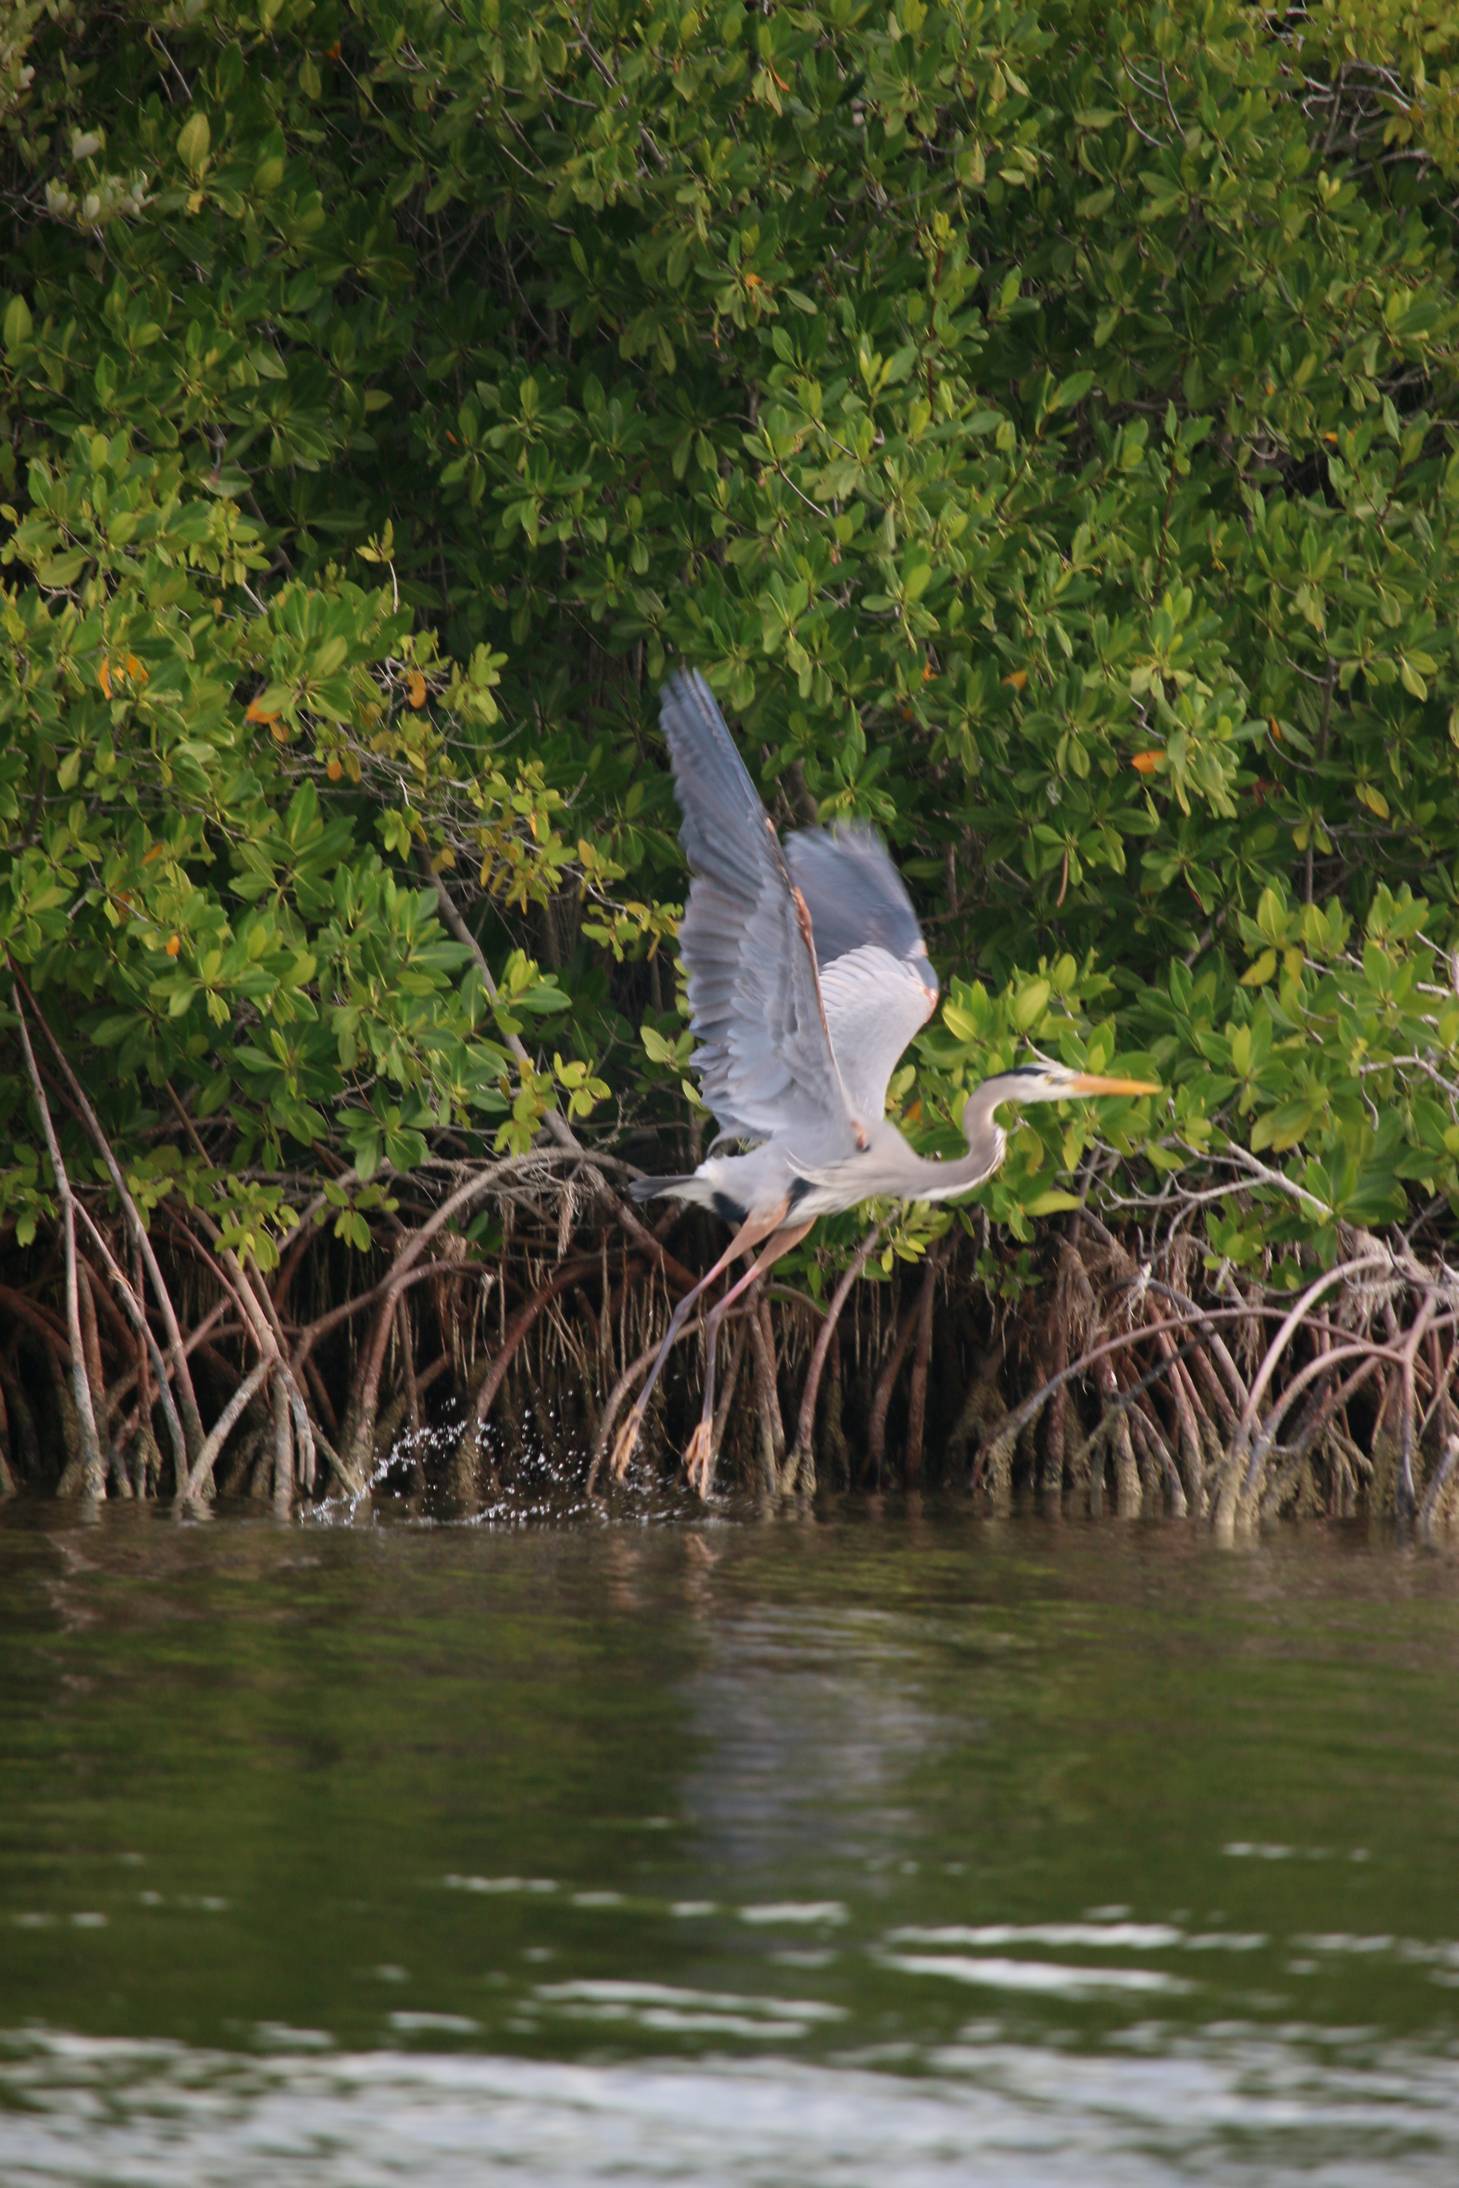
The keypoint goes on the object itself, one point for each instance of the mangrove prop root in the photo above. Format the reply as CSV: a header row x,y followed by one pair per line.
x,y
187,1398
1113,1380
1051,1475
283,1447
826,1336
917,1388
767,1397
876,1425
82,1398
723,1410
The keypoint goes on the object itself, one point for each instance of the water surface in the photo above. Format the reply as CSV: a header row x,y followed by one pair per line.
x,y
882,1843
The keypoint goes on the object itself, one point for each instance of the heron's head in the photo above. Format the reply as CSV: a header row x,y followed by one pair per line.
x,y
1058,1083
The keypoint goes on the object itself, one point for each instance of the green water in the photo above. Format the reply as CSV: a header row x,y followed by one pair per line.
x,y
885,1844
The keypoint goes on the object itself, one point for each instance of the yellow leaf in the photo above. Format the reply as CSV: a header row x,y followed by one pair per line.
x,y
1256,975
1148,763
415,688
173,944
1031,1004
256,713
103,677
193,140
1052,1203
1017,679
332,767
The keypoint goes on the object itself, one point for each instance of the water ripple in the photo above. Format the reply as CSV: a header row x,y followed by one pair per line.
x,y
119,2114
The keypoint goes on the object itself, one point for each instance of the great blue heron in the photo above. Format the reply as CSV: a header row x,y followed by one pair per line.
x,y
808,976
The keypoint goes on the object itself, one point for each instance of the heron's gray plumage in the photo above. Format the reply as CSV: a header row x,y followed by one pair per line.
x,y
875,1003
854,892
797,956
765,1059
808,976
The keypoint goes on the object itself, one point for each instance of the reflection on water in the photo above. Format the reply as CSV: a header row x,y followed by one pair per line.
x,y
715,1848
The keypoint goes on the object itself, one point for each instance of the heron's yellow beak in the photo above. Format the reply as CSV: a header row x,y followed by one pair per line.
x,y
1085,1082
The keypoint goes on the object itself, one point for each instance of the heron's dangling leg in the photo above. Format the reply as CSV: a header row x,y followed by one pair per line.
x,y
749,1235
699,1456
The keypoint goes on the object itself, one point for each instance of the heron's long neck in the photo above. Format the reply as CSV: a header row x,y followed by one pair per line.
x,y
937,1180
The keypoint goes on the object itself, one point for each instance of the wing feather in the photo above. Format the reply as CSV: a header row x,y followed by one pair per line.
x,y
765,1057
874,1004
854,892
878,984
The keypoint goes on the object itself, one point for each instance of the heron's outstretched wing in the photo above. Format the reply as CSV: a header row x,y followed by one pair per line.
x,y
854,892
765,1059
874,1004
878,985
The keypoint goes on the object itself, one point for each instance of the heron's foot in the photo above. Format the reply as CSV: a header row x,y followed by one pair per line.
x,y
626,1443
699,1458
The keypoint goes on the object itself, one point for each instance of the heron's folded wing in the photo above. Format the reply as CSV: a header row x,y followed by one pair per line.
x,y
854,892
765,1058
874,1004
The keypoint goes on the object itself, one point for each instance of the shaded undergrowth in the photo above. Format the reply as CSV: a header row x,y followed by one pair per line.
x,y
150,1360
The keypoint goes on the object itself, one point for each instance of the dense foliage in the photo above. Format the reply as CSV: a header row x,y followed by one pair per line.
x,y
1040,424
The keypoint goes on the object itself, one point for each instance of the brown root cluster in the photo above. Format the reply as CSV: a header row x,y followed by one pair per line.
x,y
147,1359
1237,1407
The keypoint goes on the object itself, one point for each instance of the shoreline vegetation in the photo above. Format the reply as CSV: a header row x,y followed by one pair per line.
x,y
1134,1396
1042,427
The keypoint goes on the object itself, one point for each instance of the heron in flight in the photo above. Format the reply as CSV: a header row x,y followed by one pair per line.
x,y
808,976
